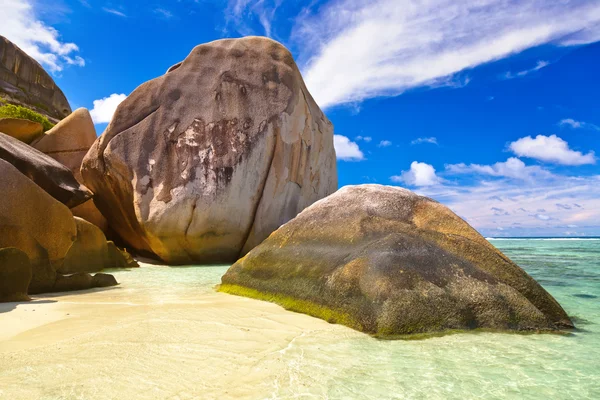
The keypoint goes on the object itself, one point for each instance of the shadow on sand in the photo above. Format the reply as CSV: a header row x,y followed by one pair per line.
x,y
6,307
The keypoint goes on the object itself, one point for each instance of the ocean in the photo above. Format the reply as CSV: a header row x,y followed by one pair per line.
x,y
165,333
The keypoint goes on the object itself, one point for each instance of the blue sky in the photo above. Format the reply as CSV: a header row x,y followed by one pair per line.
x,y
489,106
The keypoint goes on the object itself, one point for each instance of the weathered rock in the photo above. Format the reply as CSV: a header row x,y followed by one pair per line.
x,y
83,281
42,271
52,240
89,252
204,162
56,179
24,130
68,142
120,259
25,205
103,280
386,261
15,275
24,81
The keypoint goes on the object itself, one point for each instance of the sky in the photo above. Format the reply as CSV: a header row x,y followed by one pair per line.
x,y
491,107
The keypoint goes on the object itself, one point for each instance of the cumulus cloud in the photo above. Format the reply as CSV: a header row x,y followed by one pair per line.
x,y
570,122
364,138
520,74
347,150
431,140
550,149
420,174
105,108
21,26
353,50
511,168
384,143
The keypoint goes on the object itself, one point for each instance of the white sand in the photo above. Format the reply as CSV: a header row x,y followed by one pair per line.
x,y
131,343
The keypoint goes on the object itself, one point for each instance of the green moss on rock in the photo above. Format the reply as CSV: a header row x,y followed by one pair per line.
x,y
294,304
12,111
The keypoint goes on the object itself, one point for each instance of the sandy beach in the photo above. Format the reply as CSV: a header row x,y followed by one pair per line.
x,y
106,344
165,333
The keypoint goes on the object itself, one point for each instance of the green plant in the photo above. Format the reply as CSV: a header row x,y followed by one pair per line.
x,y
12,111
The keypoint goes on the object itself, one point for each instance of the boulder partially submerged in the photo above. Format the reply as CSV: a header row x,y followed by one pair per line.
x,y
388,262
204,162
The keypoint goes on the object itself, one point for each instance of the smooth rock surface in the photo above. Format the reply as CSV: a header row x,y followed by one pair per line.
x,y
204,162
68,142
53,177
28,207
24,130
23,81
89,252
388,262
15,275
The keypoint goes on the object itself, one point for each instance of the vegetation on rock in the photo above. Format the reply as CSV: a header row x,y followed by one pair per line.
x,y
12,111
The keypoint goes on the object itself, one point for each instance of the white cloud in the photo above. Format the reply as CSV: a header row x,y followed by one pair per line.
x,y
353,50
520,74
420,174
384,143
421,140
346,150
511,168
164,13
364,138
570,122
21,26
114,12
550,149
241,12
105,108
524,207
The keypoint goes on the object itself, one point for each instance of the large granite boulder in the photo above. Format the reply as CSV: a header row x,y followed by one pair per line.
x,y
23,81
25,205
68,142
15,275
204,162
56,179
23,129
45,231
386,261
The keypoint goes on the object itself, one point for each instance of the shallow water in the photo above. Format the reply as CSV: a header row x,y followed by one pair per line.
x,y
165,333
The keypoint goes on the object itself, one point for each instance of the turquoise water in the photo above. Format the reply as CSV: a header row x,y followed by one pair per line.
x,y
165,334
350,365
472,365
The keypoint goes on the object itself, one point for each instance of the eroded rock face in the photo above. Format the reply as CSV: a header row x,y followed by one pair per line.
x,y
203,163
56,179
24,81
386,261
